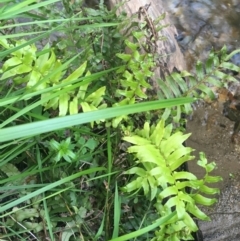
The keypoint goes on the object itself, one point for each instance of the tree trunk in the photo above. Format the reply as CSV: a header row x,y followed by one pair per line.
x,y
169,50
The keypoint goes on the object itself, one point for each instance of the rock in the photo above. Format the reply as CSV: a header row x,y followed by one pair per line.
x,y
168,50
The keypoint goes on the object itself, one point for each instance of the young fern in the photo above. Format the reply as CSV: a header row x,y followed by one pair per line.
x,y
159,152
209,76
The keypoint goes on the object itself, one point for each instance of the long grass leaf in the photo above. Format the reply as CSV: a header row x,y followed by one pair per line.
x,y
147,229
117,212
15,132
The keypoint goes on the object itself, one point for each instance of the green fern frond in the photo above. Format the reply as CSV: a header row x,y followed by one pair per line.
x,y
207,78
159,152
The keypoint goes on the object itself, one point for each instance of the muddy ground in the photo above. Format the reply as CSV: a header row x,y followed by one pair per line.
x,y
212,134
203,25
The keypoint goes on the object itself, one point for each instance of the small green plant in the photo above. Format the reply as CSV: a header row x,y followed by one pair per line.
x,y
79,157
158,155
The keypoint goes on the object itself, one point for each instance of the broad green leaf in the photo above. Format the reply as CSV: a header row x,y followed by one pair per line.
x,y
147,154
141,75
168,131
52,103
145,186
231,66
194,210
199,70
185,197
77,73
167,112
196,184
188,108
160,170
11,62
203,160
180,208
210,166
184,175
129,83
212,179
192,81
4,43
209,65
185,73
203,200
181,185
222,76
165,179
30,55
231,78
96,97
137,140
125,57
117,120
173,143
82,91
34,80
57,72
228,57
172,190
131,45
171,202
177,155
173,86
158,133
189,222
136,170
128,76
205,89
146,130
73,106
164,88
223,51
214,81
20,69
136,184
43,58
63,104
9,170
154,188
22,214
47,66
85,106
140,93
209,190
54,144
180,81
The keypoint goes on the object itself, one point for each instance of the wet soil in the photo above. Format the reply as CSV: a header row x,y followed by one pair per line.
x,y
212,133
203,25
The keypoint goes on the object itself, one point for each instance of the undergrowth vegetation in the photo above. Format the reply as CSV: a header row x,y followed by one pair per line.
x,y
89,149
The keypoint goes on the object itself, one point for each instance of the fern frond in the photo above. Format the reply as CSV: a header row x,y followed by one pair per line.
x,y
159,153
208,77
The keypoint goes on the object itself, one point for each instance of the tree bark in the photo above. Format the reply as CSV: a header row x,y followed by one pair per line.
x,y
169,50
